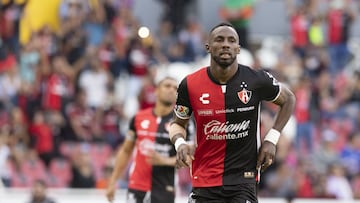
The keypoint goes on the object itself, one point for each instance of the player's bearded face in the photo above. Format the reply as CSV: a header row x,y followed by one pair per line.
x,y
223,46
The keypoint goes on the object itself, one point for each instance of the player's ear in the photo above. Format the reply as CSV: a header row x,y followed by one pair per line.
x,y
238,49
207,47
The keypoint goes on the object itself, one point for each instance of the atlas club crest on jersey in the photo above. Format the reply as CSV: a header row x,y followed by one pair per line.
x,y
244,95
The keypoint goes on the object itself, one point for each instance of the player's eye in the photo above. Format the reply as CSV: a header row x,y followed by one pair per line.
x,y
219,39
232,40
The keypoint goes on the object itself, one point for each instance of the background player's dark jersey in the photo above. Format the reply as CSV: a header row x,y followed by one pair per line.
x,y
151,134
227,123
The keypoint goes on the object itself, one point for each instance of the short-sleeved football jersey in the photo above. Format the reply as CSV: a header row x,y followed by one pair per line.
x,y
151,134
227,118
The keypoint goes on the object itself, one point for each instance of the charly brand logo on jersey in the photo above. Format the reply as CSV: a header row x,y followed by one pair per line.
x,y
182,111
145,124
244,95
216,130
205,98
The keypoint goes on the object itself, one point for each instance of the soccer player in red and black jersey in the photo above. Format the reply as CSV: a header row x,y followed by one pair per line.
x,y
151,177
225,101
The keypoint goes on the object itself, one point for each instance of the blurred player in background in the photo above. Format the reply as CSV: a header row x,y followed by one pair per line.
x,y
151,177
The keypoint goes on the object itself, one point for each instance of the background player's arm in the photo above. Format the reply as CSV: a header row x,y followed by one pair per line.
x,y
121,162
155,158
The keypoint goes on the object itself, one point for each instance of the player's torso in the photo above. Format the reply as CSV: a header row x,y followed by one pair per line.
x,y
151,135
227,127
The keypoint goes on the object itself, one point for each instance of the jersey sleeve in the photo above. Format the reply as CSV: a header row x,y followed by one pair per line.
x,y
190,131
270,88
131,136
183,108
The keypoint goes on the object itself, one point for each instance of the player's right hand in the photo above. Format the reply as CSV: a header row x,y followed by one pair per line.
x,y
110,192
184,156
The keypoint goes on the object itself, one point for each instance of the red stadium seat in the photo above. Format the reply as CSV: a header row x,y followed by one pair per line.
x,y
60,172
33,170
18,179
68,149
100,153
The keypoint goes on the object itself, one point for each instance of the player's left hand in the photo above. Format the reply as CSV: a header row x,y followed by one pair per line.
x,y
266,155
110,192
184,156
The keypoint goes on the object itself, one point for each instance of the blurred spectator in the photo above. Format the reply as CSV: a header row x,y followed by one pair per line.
x,y
94,25
29,61
355,89
4,158
316,33
355,184
19,138
147,95
83,175
175,11
192,37
280,182
303,181
42,137
238,13
10,13
305,129
10,83
57,84
350,155
111,118
337,184
320,187
39,193
325,95
325,155
165,38
102,182
299,24
94,80
138,57
290,64
340,18
83,124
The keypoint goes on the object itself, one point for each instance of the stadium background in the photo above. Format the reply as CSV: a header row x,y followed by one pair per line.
x,y
42,68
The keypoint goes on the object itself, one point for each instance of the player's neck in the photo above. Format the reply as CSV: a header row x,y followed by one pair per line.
x,y
222,75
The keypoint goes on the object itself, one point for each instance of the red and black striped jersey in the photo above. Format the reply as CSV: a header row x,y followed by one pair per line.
x,y
227,118
151,134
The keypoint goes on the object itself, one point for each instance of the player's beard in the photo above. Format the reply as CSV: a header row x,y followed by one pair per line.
x,y
224,63
167,103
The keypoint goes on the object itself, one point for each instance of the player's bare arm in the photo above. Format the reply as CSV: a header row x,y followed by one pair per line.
x,y
121,161
177,134
156,159
286,102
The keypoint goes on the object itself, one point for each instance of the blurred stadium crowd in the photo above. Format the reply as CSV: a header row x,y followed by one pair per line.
x,y
73,74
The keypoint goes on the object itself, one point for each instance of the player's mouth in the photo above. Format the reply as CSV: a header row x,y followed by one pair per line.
x,y
225,55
